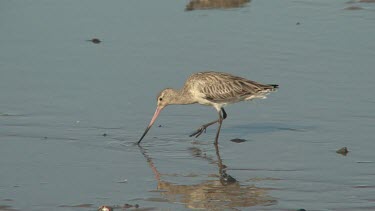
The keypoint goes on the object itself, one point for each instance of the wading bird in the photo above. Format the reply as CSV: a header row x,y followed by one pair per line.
x,y
214,89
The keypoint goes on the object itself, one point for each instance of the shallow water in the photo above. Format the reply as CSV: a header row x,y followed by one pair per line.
x,y
70,110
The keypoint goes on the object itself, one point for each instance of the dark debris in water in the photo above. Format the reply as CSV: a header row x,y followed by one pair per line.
x,y
95,40
343,151
238,140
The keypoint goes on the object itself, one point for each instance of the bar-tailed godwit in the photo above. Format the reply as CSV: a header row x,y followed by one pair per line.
x,y
214,89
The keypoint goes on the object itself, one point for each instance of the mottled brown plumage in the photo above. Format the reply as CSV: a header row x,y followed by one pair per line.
x,y
216,89
225,88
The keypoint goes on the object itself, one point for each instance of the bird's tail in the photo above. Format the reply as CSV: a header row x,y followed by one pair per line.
x,y
266,89
273,87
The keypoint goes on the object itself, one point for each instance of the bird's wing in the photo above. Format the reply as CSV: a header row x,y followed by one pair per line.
x,y
222,87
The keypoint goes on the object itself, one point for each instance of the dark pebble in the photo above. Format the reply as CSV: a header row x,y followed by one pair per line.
x,y
238,140
343,151
95,40
160,126
104,134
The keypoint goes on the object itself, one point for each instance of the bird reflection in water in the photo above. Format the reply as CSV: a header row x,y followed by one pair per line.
x,y
215,4
223,193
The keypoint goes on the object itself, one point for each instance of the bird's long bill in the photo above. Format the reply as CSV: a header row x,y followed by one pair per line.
x,y
156,114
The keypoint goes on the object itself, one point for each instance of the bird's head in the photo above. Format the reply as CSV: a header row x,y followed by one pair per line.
x,y
164,98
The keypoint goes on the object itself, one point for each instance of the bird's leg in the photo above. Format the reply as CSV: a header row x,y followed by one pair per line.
x,y
220,120
203,127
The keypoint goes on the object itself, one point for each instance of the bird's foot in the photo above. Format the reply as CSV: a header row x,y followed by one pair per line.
x,y
199,132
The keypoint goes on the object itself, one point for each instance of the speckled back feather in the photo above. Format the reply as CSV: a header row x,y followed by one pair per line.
x,y
221,87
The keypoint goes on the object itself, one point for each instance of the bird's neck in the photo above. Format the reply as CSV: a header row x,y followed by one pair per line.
x,y
181,97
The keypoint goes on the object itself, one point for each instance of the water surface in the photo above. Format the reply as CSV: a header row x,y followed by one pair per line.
x,y
70,110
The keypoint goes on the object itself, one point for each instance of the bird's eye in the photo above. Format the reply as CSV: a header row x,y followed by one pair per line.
x,y
160,99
